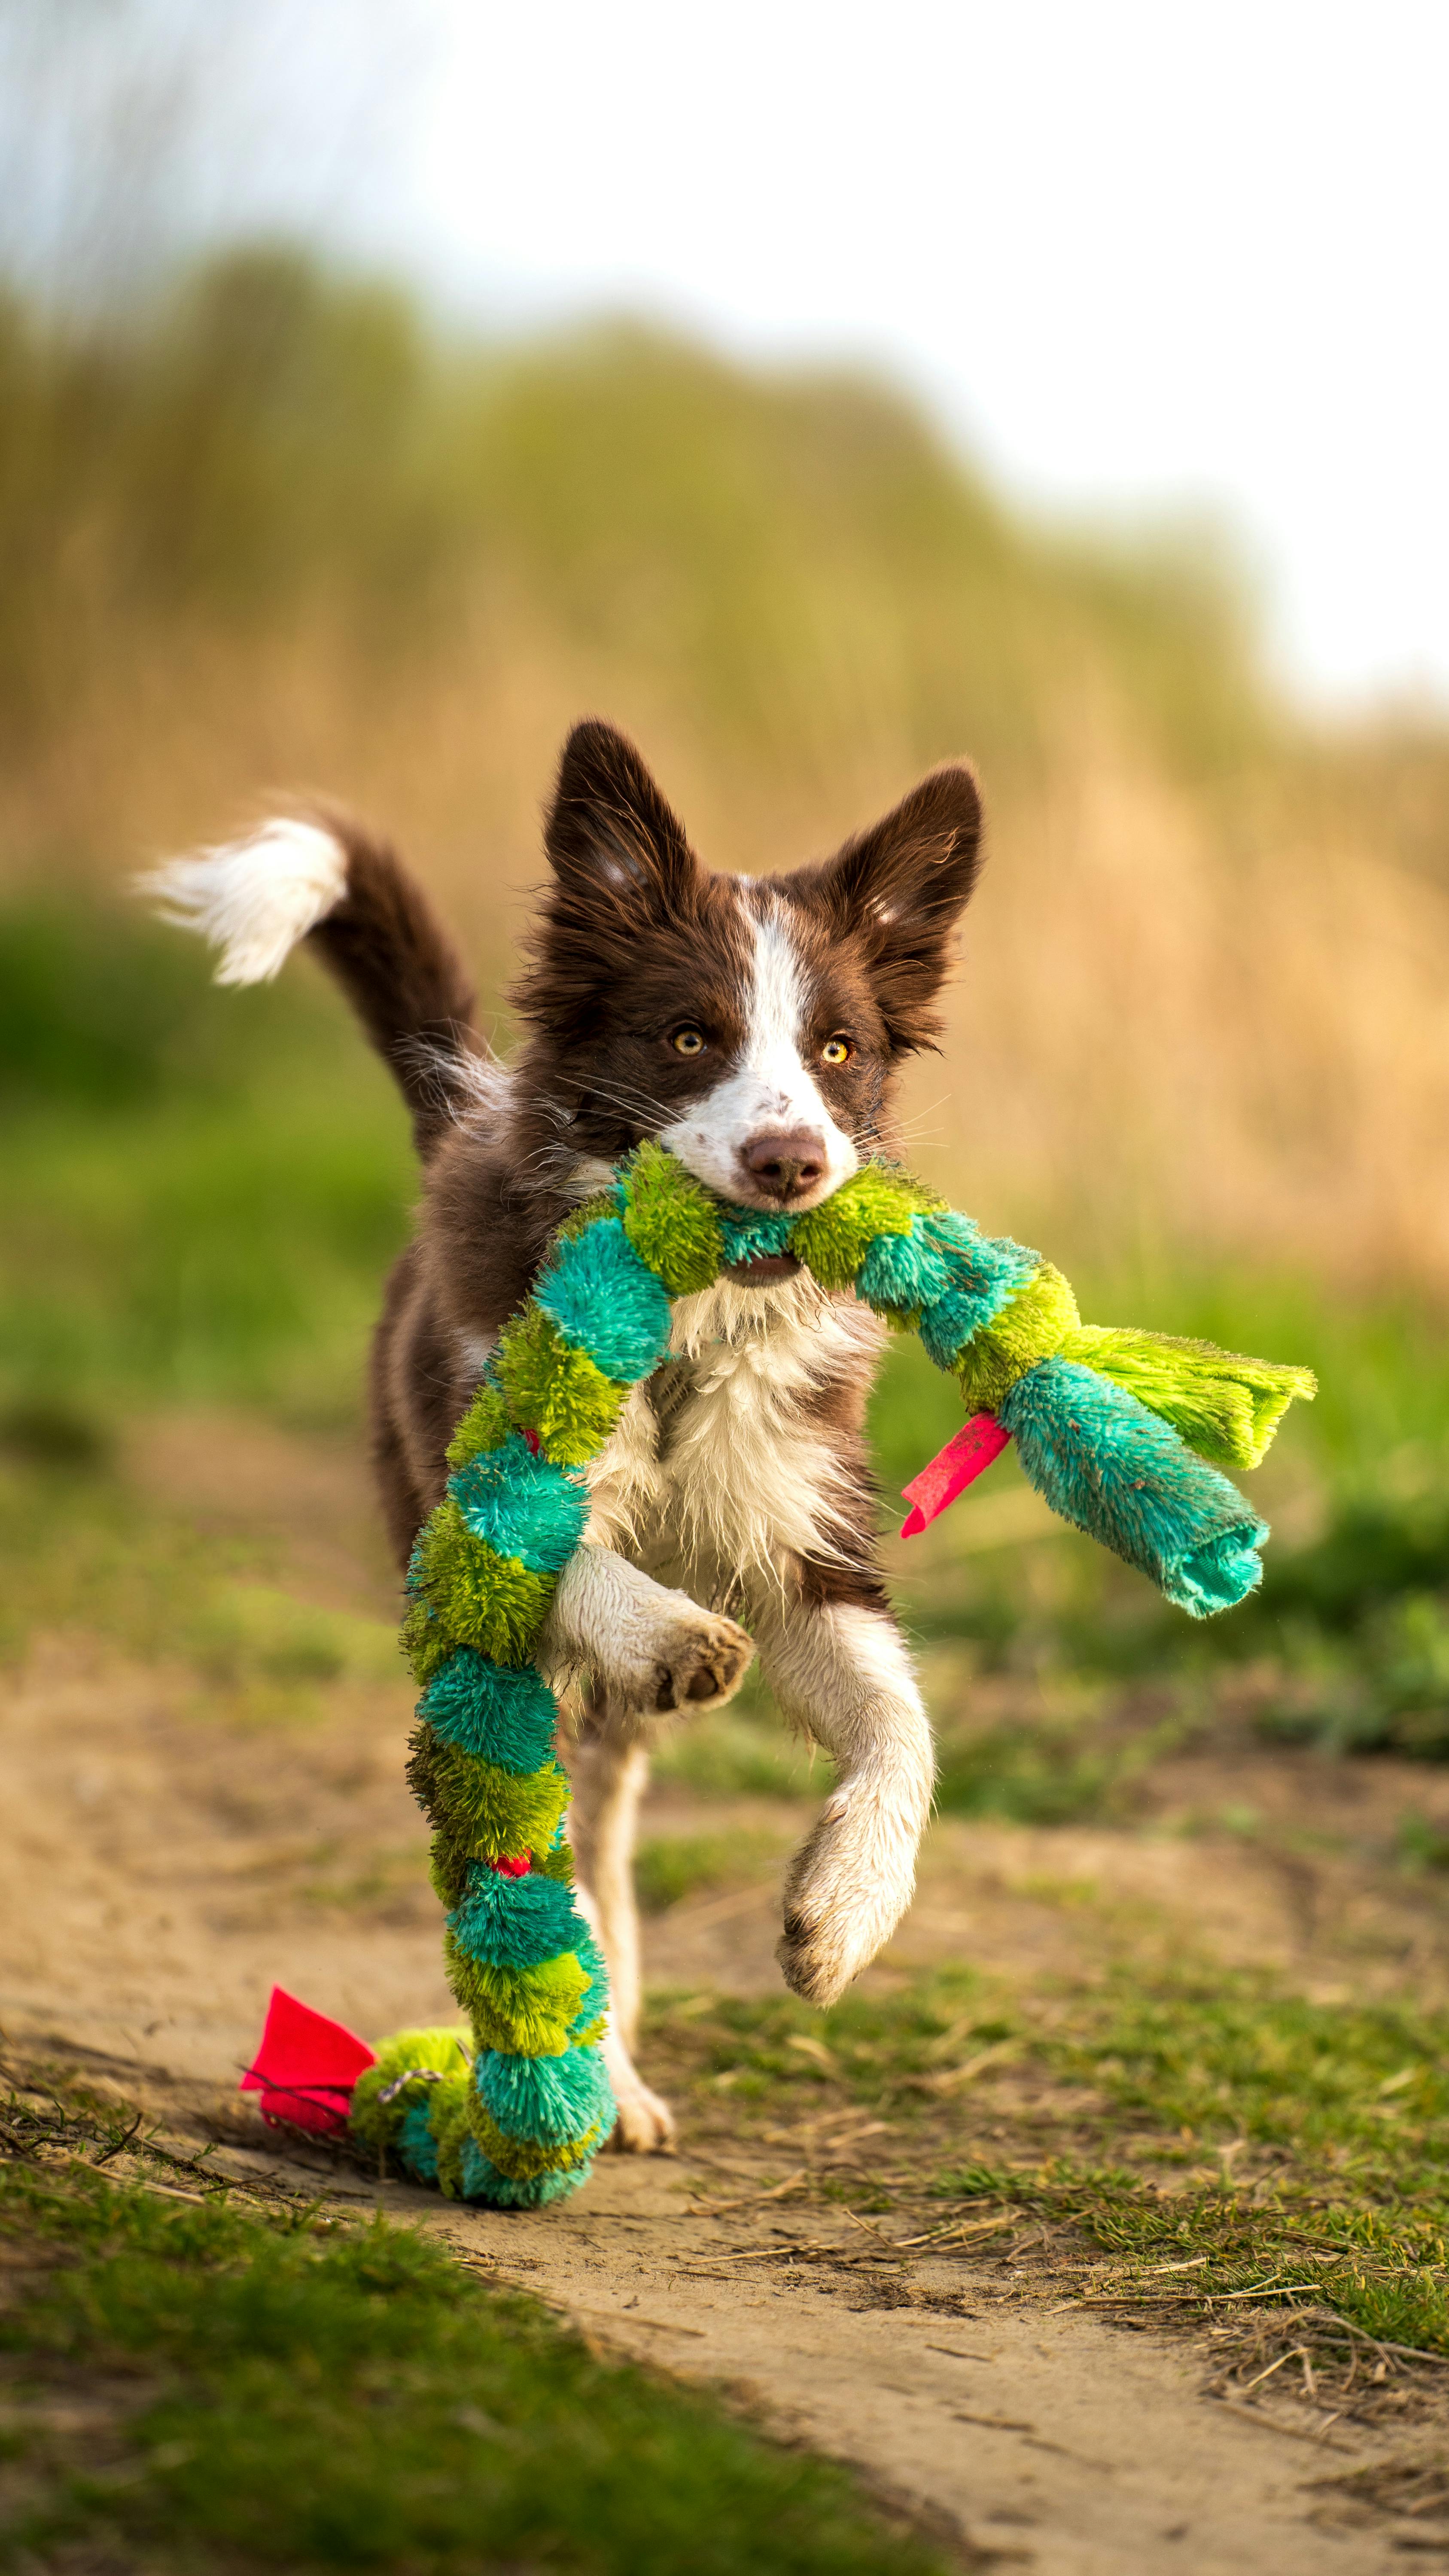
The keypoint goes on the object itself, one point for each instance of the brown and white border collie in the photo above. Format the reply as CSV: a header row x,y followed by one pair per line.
x,y
754,1026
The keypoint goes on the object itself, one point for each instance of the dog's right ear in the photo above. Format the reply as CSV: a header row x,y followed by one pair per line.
x,y
611,837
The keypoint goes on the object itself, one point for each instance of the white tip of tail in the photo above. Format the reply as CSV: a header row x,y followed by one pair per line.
x,y
253,899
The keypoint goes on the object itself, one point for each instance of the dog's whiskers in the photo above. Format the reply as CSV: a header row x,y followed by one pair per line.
x,y
626,1095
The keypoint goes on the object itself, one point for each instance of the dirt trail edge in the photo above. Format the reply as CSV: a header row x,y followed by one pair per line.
x,y
1026,2430
171,1849
1039,2434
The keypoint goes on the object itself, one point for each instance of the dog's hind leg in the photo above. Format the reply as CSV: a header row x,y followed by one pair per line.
x,y
610,1766
842,1669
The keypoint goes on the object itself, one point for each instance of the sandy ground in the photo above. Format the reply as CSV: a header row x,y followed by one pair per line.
x,y
164,1866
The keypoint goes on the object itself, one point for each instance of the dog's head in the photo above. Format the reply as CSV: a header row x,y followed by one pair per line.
x,y
750,1024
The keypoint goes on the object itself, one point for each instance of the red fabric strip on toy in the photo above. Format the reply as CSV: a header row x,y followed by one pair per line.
x,y
959,1464
306,2066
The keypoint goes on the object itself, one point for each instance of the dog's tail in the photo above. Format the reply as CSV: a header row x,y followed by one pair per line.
x,y
347,893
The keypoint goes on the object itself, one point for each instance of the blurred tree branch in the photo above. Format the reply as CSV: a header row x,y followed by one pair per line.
x,y
134,133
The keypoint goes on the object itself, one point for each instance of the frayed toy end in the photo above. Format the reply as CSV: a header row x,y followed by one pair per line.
x,y
306,2067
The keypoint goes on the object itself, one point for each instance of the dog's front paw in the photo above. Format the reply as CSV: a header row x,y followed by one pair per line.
x,y
699,1659
848,1886
649,1648
645,2124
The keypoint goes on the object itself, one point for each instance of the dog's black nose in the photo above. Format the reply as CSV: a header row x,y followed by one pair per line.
x,y
787,1162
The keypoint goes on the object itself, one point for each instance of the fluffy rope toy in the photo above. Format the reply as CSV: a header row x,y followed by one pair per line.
x,y
1106,1424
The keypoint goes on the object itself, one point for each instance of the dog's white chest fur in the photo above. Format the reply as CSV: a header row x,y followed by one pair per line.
x,y
719,1475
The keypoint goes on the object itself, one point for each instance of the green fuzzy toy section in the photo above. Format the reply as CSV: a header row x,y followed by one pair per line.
x,y
450,1867
1106,1424
447,2110
1224,1406
502,1714
424,1641
602,1299
521,1506
482,1599
546,2097
483,1810
443,2052
672,1223
587,1213
558,1863
524,2159
1118,1471
556,1390
1031,1327
833,1239
485,1425
524,2012
515,1922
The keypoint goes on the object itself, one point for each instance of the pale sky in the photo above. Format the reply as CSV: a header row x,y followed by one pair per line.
x,y
1139,256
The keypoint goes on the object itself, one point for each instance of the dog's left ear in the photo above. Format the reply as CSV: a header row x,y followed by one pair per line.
x,y
621,868
901,886
611,837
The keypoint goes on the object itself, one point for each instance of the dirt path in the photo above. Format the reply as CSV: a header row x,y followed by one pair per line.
x,y
1013,2426
1042,2437
165,1864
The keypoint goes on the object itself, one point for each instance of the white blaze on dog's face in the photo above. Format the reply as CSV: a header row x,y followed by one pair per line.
x,y
764,1135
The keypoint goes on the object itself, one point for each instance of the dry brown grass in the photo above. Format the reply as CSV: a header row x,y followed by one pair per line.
x,y
1177,1029
1202,1006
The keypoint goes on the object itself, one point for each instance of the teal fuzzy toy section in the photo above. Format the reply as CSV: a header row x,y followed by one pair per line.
x,y
1124,1433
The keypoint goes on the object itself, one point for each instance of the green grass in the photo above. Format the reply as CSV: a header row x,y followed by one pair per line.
x,y
1344,2116
202,1194
1187,2117
265,2388
670,1867
739,1751
85,1555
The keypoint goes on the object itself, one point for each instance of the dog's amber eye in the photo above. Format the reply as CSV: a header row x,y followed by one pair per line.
x,y
688,1041
836,1051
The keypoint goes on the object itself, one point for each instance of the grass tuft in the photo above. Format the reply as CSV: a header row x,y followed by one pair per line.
x,y
1260,2144
281,2389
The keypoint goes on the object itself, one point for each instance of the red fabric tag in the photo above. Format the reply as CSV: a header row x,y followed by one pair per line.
x,y
306,2066
959,1464
517,1868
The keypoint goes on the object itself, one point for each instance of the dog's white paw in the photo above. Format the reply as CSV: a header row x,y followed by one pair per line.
x,y
695,1659
645,2125
847,1888
649,1649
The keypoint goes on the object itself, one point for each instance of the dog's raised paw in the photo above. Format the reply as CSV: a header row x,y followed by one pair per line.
x,y
846,1890
816,1962
645,2124
649,1647
702,1661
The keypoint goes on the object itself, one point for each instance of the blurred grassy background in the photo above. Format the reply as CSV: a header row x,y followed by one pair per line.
x,y
276,531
